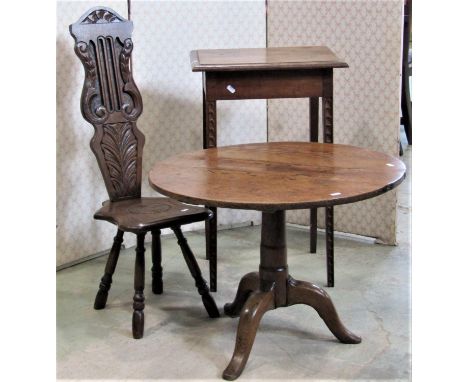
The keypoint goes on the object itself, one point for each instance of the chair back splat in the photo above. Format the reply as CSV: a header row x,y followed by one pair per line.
x,y
110,100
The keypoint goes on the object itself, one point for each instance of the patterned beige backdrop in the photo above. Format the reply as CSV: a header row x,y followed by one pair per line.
x,y
164,34
367,35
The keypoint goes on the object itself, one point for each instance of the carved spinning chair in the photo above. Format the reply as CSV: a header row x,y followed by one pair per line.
x,y
111,102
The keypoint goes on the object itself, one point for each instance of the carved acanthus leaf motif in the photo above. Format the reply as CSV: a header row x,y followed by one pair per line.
x,y
131,112
101,16
125,55
82,51
120,149
100,114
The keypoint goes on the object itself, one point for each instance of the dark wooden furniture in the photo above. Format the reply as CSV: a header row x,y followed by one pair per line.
x,y
406,104
111,102
293,72
272,178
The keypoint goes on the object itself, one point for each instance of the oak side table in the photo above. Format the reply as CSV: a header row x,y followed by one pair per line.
x,y
272,178
266,73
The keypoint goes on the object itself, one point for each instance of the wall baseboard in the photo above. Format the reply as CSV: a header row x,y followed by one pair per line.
x,y
85,259
167,233
343,235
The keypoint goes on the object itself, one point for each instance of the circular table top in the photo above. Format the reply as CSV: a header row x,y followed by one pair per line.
x,y
277,176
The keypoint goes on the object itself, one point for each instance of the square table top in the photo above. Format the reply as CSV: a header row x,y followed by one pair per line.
x,y
297,57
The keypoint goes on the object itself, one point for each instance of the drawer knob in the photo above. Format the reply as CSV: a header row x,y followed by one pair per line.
x,y
231,89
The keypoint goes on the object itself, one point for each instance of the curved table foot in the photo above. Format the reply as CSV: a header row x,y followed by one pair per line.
x,y
248,284
272,287
256,306
301,292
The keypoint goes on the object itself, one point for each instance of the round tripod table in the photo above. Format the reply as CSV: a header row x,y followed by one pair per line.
x,y
273,178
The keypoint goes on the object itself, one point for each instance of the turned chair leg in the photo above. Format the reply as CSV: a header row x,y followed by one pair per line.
x,y
138,320
200,283
106,281
157,270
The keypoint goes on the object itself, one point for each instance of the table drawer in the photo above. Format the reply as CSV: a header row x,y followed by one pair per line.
x,y
263,84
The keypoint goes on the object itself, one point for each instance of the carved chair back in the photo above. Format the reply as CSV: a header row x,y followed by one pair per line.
x,y
110,100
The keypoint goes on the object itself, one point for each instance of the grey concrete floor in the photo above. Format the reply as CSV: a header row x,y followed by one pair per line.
x,y
372,296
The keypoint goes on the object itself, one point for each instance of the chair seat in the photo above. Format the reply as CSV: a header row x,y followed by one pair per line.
x,y
144,214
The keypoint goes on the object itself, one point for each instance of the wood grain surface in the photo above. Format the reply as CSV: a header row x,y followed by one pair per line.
x,y
278,175
147,214
296,57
